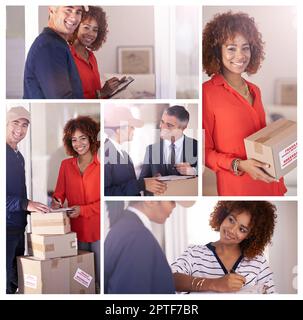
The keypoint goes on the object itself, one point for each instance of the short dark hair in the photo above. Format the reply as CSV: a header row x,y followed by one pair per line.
x,y
263,219
87,126
179,112
224,26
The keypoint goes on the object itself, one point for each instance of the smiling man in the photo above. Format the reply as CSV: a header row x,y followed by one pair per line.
x,y
175,153
17,204
50,71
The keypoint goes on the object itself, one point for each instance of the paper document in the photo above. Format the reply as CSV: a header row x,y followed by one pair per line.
x,y
67,210
174,177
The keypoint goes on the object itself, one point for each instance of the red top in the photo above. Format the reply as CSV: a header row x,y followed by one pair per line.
x,y
84,191
228,118
88,72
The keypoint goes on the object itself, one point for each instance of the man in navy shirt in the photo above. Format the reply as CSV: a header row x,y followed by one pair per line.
x,y
17,204
133,259
50,71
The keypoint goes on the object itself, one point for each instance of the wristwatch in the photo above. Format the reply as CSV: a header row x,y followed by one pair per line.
x,y
234,166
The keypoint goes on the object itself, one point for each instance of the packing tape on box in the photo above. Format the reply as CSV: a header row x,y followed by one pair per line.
x,y
54,263
41,247
48,223
258,143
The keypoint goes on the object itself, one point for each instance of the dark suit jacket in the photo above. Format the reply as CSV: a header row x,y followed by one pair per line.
x,y
119,173
133,260
154,162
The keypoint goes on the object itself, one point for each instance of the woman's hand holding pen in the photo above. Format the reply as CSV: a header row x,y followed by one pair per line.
x,y
255,169
56,203
231,282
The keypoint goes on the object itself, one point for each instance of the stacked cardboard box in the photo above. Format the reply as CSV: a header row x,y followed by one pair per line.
x,y
54,264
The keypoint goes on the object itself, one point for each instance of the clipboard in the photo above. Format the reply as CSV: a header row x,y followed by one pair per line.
x,y
124,83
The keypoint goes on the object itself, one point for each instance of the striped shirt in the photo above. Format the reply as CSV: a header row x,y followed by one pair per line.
x,y
202,261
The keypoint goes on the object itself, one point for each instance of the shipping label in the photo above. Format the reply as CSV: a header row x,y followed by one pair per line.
x,y
30,281
288,155
83,278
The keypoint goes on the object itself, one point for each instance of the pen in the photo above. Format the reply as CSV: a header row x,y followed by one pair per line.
x,y
58,200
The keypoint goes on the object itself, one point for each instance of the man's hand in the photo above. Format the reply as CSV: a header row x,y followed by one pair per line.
x,y
33,206
155,186
185,169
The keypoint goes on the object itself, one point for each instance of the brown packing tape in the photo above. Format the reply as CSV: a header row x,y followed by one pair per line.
x,y
82,291
42,247
48,223
258,143
54,263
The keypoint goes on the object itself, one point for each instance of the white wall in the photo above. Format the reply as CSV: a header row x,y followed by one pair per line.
x,y
15,51
128,26
278,27
283,253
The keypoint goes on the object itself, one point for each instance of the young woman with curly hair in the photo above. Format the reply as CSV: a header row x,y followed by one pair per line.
x,y
89,37
235,261
232,106
79,184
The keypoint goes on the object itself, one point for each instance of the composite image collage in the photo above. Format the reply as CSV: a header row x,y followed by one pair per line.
x,y
151,151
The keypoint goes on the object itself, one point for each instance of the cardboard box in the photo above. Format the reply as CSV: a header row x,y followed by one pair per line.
x,y
188,186
52,246
50,223
43,276
82,273
59,275
276,145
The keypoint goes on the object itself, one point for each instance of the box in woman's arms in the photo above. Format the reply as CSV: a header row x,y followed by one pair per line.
x,y
50,223
275,145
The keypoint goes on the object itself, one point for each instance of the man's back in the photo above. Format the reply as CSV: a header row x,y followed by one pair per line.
x,y
134,261
50,71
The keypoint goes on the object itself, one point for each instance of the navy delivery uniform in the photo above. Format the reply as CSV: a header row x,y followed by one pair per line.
x,y
16,215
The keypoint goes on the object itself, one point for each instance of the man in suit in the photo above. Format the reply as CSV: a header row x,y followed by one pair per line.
x,y
175,154
119,172
133,260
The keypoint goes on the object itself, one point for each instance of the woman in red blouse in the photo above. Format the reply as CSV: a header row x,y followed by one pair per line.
x,y
232,106
79,184
89,37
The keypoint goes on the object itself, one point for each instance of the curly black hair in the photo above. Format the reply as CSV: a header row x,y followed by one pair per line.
x,y
263,219
223,27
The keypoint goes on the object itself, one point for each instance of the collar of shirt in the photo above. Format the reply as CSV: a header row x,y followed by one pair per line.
x,y
142,217
74,52
178,149
219,80
116,145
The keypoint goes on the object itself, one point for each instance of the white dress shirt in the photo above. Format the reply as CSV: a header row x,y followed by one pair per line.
x,y
178,150
142,217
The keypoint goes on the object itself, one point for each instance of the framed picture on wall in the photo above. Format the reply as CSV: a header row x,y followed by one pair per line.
x,y
286,92
135,60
